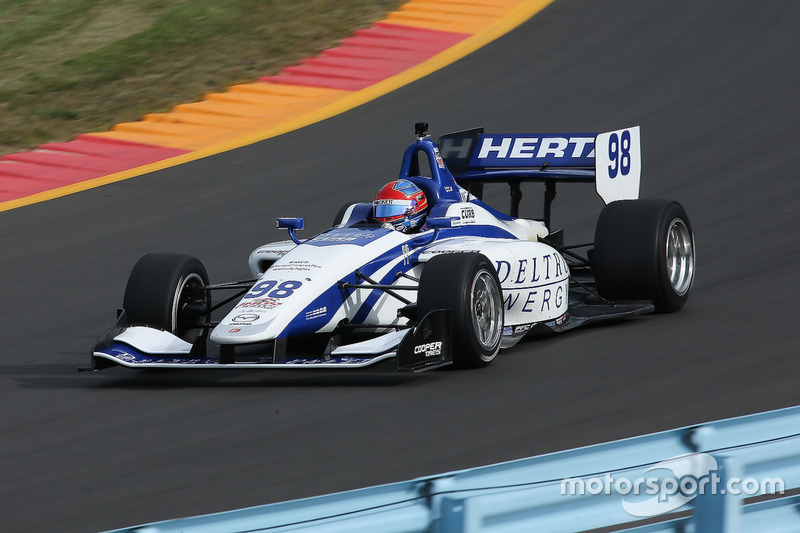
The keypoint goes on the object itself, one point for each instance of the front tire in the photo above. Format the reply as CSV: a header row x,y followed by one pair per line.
x,y
164,292
644,250
467,284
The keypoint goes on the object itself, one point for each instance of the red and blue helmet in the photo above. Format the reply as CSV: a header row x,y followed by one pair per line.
x,y
401,204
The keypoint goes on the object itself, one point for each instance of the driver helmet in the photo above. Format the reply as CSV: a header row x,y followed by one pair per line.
x,y
401,205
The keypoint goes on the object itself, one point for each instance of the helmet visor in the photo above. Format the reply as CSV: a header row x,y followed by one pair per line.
x,y
392,208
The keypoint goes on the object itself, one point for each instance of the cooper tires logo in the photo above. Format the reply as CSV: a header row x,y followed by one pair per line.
x,y
431,349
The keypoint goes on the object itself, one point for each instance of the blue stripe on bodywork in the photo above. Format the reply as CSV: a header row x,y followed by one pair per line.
x,y
310,319
498,214
333,298
387,279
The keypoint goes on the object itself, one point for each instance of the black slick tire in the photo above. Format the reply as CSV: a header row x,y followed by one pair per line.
x,y
163,292
467,284
644,250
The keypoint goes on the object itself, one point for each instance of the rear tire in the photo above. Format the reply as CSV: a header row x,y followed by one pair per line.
x,y
644,250
467,284
164,292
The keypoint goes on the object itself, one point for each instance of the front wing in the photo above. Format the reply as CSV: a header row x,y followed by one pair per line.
x,y
424,347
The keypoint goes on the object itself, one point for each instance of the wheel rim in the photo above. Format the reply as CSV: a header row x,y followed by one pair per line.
x,y
186,294
680,257
487,313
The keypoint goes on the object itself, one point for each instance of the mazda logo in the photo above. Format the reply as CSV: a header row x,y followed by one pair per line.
x,y
246,318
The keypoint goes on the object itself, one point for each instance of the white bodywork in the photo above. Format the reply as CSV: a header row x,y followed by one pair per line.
x,y
534,277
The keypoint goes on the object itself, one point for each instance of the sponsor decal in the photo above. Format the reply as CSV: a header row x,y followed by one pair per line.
x,y
125,355
452,251
246,318
259,303
494,147
355,236
334,237
540,299
316,313
457,147
467,212
296,265
345,360
518,330
558,321
430,349
234,330
273,252
535,284
439,160
524,271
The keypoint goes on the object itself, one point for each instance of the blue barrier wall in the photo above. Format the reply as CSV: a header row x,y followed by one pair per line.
x,y
707,477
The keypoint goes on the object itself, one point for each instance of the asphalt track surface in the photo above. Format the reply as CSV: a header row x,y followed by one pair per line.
x,y
713,85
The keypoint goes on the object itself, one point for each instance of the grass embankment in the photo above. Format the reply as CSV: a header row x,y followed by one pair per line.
x,y
74,66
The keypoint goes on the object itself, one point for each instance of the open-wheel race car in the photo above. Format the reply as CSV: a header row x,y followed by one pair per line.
x,y
427,274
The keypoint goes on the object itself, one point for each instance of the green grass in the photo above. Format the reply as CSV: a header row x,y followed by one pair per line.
x,y
74,66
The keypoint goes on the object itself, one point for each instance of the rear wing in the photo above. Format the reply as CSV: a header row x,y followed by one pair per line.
x,y
611,160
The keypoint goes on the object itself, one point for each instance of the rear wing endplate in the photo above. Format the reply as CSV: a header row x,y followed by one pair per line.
x,y
611,160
